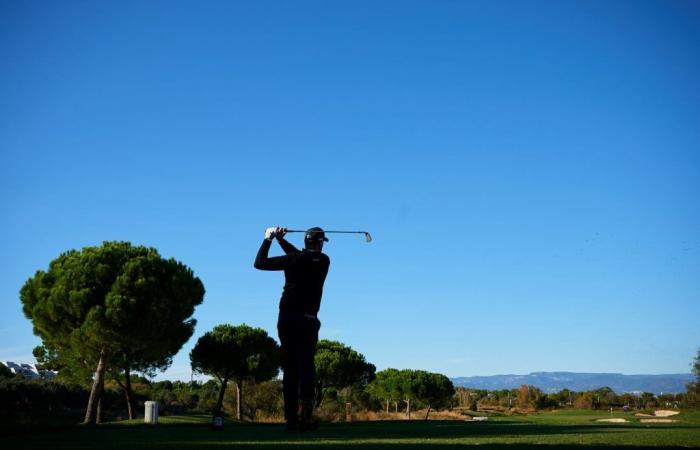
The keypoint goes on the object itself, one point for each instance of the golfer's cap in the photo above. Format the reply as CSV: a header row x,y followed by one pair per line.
x,y
315,234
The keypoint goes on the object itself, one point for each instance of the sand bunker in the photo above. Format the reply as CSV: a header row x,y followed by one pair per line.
x,y
657,420
613,420
665,413
659,413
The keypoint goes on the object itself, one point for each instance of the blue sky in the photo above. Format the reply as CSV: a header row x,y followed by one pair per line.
x,y
529,170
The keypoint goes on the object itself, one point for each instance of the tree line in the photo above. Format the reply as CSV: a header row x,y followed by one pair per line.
x,y
240,358
528,397
345,377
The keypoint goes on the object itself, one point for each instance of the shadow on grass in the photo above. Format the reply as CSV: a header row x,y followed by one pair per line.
x,y
410,446
374,435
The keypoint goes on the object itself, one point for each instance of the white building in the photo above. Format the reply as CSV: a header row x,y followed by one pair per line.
x,y
29,371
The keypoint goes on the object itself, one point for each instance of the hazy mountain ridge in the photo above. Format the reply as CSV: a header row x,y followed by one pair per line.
x,y
556,381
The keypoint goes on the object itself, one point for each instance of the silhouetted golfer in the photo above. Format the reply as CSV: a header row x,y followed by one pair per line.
x,y
297,326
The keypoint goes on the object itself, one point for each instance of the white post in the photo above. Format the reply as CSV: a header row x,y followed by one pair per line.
x,y
151,413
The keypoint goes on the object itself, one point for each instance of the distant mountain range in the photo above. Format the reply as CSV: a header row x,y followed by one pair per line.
x,y
556,381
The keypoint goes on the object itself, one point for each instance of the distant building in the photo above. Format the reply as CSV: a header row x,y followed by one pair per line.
x,y
29,371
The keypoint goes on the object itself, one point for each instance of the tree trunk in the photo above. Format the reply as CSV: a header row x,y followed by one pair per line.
x,y
428,413
129,394
96,391
387,407
99,417
396,407
220,401
239,398
408,408
100,414
319,394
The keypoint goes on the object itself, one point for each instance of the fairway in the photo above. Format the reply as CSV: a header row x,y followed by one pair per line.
x,y
553,430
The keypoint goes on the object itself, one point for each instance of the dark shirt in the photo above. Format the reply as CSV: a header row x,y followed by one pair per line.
x,y
304,272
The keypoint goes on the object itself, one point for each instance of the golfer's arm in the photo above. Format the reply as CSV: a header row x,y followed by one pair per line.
x,y
263,262
287,247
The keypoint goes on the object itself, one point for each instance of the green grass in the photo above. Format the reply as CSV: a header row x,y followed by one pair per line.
x,y
549,431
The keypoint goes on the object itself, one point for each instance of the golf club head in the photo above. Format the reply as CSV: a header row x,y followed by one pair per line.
x,y
368,237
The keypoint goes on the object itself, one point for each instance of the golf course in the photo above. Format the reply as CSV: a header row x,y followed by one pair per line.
x,y
313,224
548,430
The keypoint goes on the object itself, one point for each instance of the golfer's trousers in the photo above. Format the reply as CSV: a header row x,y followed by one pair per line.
x,y
298,337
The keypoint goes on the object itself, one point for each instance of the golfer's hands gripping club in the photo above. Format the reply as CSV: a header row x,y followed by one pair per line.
x,y
275,232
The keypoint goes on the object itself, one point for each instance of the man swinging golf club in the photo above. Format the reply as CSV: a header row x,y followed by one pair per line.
x,y
297,326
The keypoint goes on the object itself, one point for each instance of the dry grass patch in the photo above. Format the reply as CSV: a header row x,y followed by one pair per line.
x,y
415,415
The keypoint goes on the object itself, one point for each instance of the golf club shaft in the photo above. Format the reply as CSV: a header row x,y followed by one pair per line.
x,y
329,231
368,237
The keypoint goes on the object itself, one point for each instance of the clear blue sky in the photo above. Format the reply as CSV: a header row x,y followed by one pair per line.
x,y
530,170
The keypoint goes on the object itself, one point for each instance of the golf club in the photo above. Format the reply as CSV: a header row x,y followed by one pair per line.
x,y
368,237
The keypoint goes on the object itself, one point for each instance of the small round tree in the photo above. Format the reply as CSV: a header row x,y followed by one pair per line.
x,y
235,353
386,387
338,366
433,389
